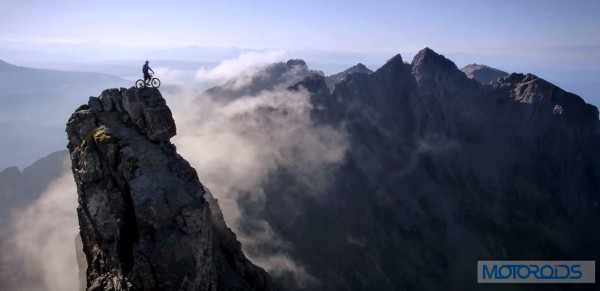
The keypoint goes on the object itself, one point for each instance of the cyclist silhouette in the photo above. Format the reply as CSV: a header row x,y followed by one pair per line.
x,y
148,79
145,69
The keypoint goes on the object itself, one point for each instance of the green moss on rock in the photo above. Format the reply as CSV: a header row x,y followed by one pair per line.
x,y
101,136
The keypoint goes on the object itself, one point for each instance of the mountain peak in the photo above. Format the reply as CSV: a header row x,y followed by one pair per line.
x,y
315,84
394,64
356,69
397,59
359,68
475,66
430,68
144,218
428,55
270,76
482,73
296,62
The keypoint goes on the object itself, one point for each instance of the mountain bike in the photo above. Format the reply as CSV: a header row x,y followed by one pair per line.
x,y
154,82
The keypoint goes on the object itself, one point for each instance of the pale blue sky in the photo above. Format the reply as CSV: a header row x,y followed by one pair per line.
x,y
483,27
558,40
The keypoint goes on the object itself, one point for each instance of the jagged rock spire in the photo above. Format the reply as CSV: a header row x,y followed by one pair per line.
x,y
144,221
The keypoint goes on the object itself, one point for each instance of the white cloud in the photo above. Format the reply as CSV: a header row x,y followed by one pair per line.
x,y
170,75
234,146
240,68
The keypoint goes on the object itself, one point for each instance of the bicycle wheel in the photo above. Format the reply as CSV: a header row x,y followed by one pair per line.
x,y
139,84
155,82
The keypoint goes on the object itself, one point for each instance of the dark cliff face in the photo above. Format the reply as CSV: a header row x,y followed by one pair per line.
x,y
144,218
441,172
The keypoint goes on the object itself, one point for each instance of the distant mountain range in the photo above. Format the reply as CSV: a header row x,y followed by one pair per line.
x,y
23,80
34,103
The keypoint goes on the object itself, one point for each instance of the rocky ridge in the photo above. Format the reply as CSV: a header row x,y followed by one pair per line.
x,y
442,171
145,221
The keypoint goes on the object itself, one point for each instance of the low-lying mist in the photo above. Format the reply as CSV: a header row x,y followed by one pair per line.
x,y
235,146
39,251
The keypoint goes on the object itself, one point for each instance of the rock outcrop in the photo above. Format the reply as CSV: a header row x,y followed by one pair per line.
x,y
482,73
145,222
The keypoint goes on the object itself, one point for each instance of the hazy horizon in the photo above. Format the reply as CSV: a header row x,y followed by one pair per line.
x,y
574,69
186,38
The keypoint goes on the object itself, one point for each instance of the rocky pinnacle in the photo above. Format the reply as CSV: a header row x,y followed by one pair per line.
x,y
145,222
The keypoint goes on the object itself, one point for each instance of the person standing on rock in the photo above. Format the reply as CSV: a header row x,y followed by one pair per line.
x,y
145,69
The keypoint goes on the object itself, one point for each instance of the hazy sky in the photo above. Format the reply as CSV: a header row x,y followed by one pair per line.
x,y
558,40
465,26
